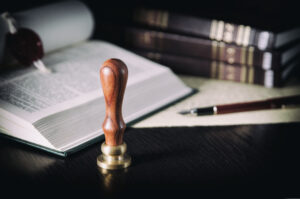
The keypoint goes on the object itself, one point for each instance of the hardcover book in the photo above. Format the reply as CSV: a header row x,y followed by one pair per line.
x,y
218,30
63,111
209,49
222,70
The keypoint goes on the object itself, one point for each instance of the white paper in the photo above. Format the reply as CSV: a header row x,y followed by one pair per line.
x,y
214,92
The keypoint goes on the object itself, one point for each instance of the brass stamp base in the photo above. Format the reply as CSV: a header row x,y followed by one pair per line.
x,y
113,157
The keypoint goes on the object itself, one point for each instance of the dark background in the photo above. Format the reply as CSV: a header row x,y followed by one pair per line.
x,y
253,161
111,16
267,14
249,161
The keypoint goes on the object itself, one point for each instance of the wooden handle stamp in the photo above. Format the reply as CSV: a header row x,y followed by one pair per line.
x,y
113,75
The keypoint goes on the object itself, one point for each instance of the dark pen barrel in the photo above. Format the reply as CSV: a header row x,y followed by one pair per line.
x,y
291,100
258,105
240,107
271,103
205,111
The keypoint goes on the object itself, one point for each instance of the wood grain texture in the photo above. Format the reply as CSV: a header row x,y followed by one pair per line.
x,y
250,161
113,75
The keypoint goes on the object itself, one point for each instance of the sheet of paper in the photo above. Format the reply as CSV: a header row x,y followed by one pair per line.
x,y
213,92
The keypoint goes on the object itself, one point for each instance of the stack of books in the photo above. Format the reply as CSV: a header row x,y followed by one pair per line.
x,y
214,48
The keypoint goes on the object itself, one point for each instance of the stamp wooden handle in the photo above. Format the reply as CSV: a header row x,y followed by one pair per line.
x,y
113,75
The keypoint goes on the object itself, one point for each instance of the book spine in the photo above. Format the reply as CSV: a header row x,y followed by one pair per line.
x,y
211,29
201,48
214,69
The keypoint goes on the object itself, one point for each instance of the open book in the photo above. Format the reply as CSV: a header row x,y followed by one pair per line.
x,y
63,111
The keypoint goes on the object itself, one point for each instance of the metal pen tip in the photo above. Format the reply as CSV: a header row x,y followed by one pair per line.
x,y
184,112
193,111
199,111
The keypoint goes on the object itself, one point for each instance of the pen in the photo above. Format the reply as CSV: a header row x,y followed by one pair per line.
x,y
272,103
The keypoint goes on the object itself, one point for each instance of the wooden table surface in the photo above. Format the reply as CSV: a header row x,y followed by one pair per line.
x,y
248,161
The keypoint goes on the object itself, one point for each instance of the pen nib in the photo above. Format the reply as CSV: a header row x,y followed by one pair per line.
x,y
41,66
184,112
198,111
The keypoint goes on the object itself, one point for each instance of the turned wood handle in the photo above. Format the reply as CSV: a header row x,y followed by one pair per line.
x,y
113,75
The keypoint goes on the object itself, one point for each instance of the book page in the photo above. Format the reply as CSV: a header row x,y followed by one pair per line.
x,y
32,95
215,92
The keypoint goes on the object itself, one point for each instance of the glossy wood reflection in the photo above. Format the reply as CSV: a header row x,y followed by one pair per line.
x,y
113,75
251,161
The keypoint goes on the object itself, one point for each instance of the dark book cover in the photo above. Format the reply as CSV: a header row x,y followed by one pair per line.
x,y
219,30
209,49
216,69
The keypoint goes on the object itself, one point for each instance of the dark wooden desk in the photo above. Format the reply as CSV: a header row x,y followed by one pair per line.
x,y
247,161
